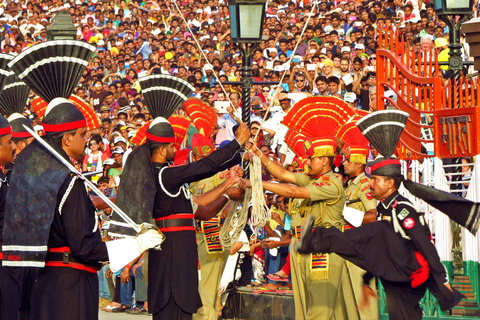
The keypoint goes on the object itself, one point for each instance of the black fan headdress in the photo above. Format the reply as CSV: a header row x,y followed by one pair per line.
x,y
13,100
163,95
383,129
14,95
52,69
4,70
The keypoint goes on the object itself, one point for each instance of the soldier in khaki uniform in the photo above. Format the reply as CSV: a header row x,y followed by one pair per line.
x,y
212,255
316,278
358,196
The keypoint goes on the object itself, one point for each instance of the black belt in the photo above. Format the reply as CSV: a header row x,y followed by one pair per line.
x,y
176,223
65,257
62,257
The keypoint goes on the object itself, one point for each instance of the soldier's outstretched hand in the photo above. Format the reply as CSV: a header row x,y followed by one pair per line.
x,y
235,193
236,173
243,134
244,184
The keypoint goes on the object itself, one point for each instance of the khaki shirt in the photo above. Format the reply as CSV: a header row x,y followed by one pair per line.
x,y
297,210
358,189
327,199
200,187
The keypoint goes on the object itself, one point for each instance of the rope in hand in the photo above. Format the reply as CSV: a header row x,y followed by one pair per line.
x,y
260,212
238,215
235,222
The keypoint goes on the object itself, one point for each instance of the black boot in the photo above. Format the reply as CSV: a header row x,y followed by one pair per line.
x,y
305,245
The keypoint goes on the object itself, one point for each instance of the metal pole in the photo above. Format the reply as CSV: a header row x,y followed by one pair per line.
x,y
455,62
247,83
455,65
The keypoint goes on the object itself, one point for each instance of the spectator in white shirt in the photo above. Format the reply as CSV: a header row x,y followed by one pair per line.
x,y
233,117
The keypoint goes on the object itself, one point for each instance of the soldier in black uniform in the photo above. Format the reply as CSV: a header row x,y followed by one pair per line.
x,y
10,288
21,279
173,278
51,222
397,248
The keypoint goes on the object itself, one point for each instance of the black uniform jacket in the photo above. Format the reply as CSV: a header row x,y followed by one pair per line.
x,y
173,271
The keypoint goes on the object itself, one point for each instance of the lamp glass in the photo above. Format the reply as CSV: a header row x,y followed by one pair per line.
x,y
233,20
457,4
250,19
439,5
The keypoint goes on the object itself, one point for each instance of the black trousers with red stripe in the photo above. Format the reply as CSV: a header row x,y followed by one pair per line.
x,y
378,250
16,289
65,293
10,292
372,247
402,300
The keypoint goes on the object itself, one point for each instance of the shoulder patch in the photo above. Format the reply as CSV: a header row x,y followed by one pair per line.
x,y
325,178
364,180
319,184
365,188
409,223
403,214
369,195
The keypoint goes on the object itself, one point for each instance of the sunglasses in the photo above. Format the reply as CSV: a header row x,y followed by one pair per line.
x,y
265,90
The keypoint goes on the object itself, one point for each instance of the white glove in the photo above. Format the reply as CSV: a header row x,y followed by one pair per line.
x,y
123,251
149,239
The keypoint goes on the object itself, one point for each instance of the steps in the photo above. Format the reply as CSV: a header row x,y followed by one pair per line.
x,y
468,306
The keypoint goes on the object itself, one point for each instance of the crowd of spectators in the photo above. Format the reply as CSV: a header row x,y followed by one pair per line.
x,y
335,55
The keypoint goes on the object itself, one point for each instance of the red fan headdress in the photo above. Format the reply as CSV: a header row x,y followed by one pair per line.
x,y
296,142
203,116
93,122
180,127
319,118
141,135
181,157
356,145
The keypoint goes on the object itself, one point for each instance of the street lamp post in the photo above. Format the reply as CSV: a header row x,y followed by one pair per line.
x,y
454,13
246,20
